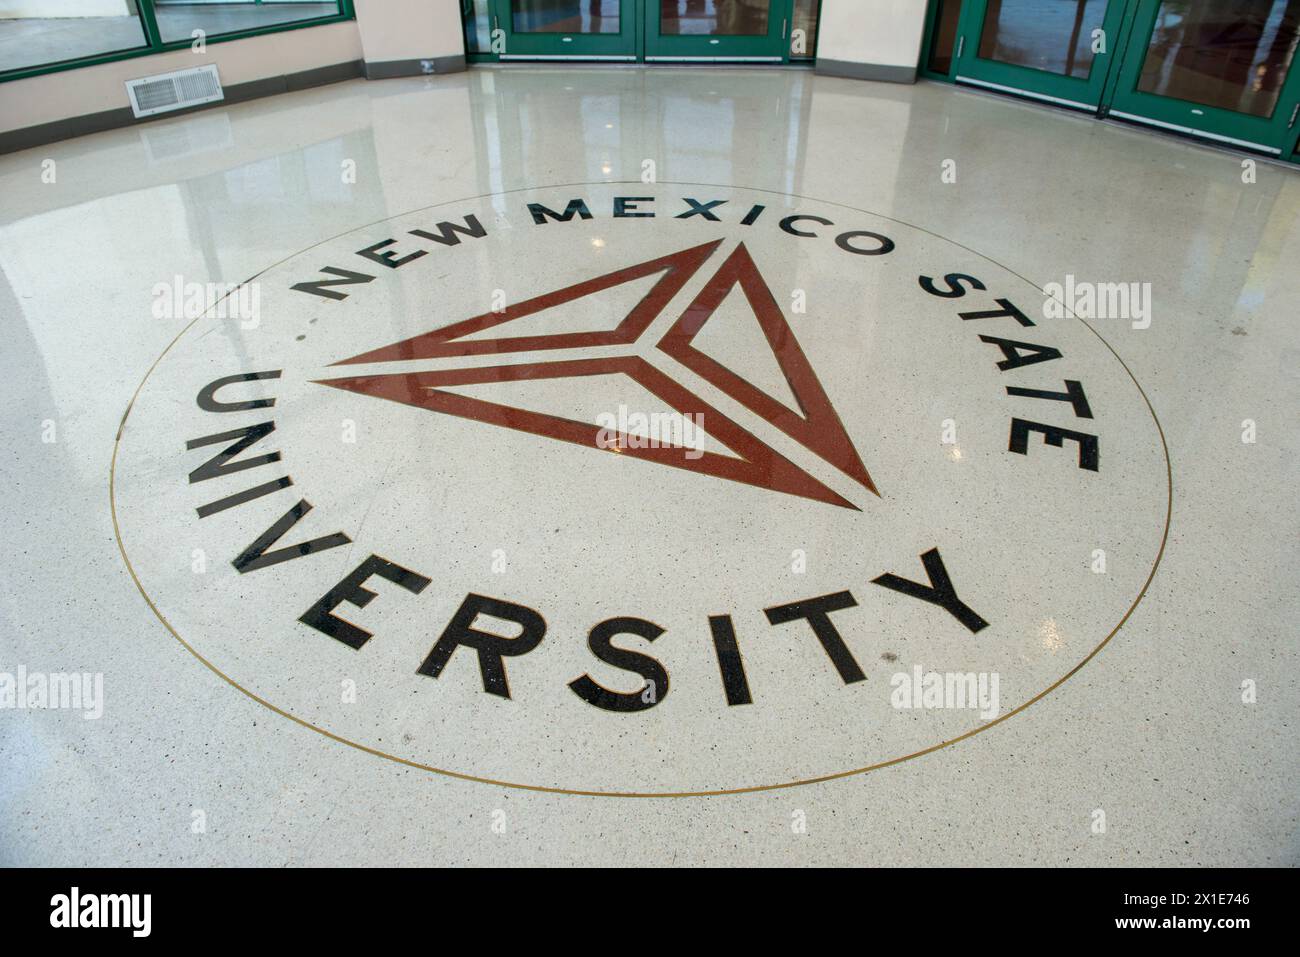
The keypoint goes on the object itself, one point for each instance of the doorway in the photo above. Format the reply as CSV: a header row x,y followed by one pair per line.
x,y
705,31
1217,69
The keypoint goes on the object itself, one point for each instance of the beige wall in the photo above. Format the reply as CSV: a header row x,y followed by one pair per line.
x,y
94,89
409,29
12,9
879,32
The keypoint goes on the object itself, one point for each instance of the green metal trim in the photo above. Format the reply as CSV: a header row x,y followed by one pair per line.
x,y
547,43
640,14
1086,92
704,47
154,44
1270,131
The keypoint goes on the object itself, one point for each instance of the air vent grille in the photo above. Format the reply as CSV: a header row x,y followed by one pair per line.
x,y
174,91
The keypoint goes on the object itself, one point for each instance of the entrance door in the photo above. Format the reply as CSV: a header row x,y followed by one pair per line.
x,y
566,29
1219,68
718,30
1057,50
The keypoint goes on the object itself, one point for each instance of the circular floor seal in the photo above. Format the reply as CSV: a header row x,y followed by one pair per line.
x,y
641,489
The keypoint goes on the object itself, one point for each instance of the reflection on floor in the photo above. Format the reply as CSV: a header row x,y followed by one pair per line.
x,y
33,41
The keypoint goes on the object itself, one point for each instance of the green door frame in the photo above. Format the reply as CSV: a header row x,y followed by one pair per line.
x,y
621,46
639,39
1074,92
772,47
1111,89
1272,134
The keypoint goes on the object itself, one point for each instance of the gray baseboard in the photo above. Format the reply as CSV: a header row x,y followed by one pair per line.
x,y
866,71
390,69
46,133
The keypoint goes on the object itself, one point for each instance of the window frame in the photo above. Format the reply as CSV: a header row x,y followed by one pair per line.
x,y
154,43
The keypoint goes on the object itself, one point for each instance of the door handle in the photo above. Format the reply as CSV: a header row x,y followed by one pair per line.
x,y
783,26
1294,115
961,45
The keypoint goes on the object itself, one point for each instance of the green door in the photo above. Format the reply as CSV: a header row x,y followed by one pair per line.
x,y
566,29
1217,68
1057,50
718,30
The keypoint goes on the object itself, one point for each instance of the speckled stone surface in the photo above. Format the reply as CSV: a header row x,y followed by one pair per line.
x,y
1147,754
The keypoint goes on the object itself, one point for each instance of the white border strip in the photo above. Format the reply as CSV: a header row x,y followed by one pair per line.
x,y
1194,132
564,56
1090,107
714,59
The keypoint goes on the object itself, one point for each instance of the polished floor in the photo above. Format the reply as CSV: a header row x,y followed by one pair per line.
x,y
691,650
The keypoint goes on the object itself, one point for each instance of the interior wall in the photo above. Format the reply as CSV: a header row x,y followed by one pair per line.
x,y
871,39
22,9
95,89
410,30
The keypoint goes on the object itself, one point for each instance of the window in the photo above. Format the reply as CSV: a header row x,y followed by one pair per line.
x,y
37,36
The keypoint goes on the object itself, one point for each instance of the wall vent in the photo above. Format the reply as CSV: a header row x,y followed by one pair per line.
x,y
174,91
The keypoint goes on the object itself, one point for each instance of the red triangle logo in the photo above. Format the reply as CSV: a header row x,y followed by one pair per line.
x,y
818,428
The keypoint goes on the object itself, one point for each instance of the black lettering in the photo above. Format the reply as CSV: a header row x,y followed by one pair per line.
x,y
625,207
239,498
492,649
1073,394
732,666
352,590
207,397
256,556
240,439
701,209
601,643
540,213
1007,310
939,592
955,289
817,612
884,245
319,287
1021,353
787,224
388,257
1089,454
446,234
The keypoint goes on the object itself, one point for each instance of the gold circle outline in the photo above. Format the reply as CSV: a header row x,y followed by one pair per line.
x,y
478,779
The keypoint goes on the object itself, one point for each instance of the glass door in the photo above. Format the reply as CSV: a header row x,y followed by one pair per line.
x,y
718,30
565,29
1057,50
1218,68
